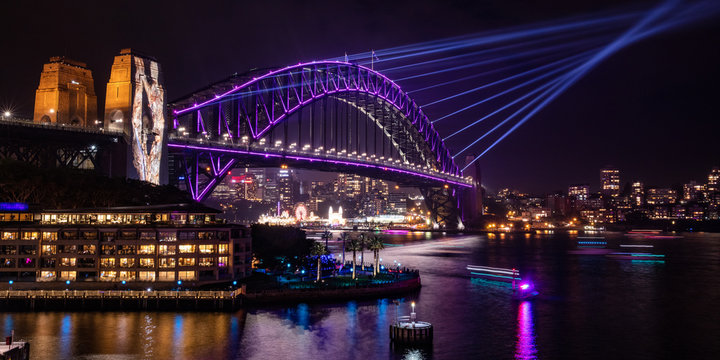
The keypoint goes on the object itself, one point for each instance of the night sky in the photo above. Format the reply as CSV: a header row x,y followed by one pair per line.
x,y
652,110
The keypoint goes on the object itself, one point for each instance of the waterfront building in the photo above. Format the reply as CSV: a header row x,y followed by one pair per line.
x,y
66,94
661,196
146,244
610,181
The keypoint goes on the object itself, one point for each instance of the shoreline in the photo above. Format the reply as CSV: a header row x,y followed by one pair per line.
x,y
189,300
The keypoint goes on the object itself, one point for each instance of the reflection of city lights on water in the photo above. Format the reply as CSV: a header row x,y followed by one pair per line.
x,y
525,348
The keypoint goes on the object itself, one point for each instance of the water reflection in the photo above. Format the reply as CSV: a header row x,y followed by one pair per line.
x,y
525,348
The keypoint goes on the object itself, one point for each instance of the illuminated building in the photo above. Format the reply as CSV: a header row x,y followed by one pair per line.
x,y
610,181
150,244
66,94
580,192
350,185
660,196
713,184
135,105
638,193
397,203
693,191
285,189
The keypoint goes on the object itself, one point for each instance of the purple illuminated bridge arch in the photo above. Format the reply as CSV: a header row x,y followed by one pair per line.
x,y
328,115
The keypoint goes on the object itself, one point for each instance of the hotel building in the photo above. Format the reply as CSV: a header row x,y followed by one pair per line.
x,y
129,245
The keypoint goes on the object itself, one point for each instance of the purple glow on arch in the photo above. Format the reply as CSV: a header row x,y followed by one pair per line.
x,y
525,286
392,94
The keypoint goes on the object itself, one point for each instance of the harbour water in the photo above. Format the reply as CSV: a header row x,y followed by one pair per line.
x,y
590,307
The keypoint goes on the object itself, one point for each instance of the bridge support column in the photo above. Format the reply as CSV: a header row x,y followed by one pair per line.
x,y
443,205
203,171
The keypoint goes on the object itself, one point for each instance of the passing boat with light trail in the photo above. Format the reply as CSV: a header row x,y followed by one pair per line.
x,y
522,289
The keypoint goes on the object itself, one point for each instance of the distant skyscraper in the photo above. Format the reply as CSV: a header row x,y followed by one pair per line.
x,y
610,181
66,94
638,193
713,184
397,203
580,192
285,189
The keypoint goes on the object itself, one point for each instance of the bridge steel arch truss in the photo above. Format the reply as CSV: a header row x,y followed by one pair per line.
x,y
333,115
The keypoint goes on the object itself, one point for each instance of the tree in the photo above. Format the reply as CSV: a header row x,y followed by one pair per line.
x,y
326,236
361,237
354,245
343,238
318,250
375,244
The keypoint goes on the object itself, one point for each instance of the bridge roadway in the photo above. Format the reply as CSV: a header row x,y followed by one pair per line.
x,y
261,154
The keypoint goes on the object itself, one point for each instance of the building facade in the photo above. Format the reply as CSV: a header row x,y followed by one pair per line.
x,y
158,245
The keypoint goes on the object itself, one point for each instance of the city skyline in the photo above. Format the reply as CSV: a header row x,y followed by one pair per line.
x,y
655,107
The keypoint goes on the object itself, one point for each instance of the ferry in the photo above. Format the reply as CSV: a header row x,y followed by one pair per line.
x,y
522,289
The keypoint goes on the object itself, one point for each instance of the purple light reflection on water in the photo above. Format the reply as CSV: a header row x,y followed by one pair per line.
x,y
525,348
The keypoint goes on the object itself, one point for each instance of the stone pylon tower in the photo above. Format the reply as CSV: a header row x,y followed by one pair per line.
x,y
66,94
135,105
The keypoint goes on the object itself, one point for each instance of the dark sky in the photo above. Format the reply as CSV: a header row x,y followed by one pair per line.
x,y
651,110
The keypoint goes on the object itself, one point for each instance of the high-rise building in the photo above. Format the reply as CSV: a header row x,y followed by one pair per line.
x,y
610,181
693,191
135,105
350,185
638,193
397,203
285,189
713,184
66,94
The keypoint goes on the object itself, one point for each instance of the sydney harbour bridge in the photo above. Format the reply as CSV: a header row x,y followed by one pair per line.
x,y
330,116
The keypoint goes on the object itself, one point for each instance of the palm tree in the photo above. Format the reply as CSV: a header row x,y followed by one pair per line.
x,y
326,236
354,245
362,250
375,244
343,238
318,250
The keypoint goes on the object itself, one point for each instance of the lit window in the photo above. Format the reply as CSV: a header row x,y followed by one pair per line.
x,y
68,275
30,235
186,275
222,261
166,262
186,262
47,276
206,261
147,249
49,249
166,249
107,262
146,275
147,262
127,262
166,276
187,249
67,262
223,248
108,275
9,235
49,236
207,249
126,275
